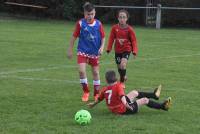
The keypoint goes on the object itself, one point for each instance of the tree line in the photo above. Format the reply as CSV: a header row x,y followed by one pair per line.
x,y
72,10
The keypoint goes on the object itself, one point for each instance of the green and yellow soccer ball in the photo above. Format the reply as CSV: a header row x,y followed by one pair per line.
x,y
83,117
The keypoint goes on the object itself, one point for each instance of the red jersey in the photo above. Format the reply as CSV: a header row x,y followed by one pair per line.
x,y
113,94
125,40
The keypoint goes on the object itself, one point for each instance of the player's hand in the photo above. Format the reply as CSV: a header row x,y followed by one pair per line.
x,y
129,107
91,104
134,55
69,54
100,51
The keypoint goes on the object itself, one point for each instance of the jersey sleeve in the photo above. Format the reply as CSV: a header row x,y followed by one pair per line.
x,y
77,29
102,31
120,90
133,41
111,39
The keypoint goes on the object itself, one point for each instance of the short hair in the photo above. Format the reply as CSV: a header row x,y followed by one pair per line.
x,y
110,76
123,11
88,7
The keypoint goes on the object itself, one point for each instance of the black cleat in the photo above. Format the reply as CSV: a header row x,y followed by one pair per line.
x,y
167,104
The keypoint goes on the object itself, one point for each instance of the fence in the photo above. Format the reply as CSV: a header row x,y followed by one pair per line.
x,y
159,9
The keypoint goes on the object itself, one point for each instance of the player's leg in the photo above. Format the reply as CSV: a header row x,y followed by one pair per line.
x,y
118,57
132,95
155,94
122,68
152,104
96,77
133,105
83,77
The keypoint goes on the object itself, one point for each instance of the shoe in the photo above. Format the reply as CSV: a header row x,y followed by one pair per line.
x,y
85,96
167,104
157,92
96,97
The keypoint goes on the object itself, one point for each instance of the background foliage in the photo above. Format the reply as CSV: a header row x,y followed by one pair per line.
x,y
72,10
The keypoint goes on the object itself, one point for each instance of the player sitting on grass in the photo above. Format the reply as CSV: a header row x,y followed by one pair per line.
x,y
120,103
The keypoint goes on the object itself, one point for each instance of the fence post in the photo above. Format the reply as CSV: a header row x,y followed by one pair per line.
x,y
158,17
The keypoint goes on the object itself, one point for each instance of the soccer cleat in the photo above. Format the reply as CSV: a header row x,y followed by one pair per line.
x,y
167,104
85,96
157,92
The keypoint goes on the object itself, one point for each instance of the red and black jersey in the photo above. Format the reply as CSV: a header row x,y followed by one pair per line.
x,y
125,39
112,95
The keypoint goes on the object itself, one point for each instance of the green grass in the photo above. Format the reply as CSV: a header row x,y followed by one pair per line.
x,y
40,94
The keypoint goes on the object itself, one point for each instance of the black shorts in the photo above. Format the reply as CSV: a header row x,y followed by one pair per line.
x,y
133,105
119,56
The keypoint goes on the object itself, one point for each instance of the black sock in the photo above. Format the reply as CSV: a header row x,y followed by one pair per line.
x,y
155,105
122,73
146,94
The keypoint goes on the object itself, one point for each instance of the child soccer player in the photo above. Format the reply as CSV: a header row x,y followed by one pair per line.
x,y
90,46
125,43
120,103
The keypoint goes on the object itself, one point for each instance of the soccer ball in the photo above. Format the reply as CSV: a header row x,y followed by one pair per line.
x,y
83,117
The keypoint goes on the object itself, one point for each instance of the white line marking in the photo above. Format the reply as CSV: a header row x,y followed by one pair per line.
x,y
77,82
39,79
74,66
36,69
170,57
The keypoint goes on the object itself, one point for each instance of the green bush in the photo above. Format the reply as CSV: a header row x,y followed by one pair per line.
x,y
72,10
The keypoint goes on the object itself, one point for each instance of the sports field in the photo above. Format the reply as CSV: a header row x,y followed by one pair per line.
x,y
40,91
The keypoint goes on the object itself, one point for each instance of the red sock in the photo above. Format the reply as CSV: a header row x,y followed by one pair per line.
x,y
85,87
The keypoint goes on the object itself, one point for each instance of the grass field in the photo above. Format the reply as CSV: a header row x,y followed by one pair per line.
x,y
40,91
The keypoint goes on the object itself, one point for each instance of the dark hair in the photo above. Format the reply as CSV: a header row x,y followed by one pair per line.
x,y
88,7
124,11
111,76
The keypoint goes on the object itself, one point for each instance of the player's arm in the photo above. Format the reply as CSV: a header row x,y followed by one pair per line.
x,y
92,104
102,39
133,42
111,40
70,49
123,99
101,97
102,46
121,94
72,40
